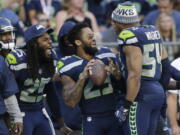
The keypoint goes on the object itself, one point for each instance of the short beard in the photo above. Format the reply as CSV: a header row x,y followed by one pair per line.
x,y
90,50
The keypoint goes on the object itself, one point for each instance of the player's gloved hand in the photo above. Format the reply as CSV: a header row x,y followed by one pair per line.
x,y
122,112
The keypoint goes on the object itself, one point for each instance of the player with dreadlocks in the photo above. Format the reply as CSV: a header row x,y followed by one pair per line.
x,y
37,56
33,69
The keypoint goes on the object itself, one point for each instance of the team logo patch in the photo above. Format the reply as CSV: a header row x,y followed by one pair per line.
x,y
126,12
39,27
11,59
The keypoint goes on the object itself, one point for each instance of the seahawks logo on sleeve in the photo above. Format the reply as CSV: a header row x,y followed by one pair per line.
x,y
127,37
16,60
67,65
11,59
59,65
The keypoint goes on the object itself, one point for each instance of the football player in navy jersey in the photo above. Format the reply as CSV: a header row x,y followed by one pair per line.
x,y
143,57
97,102
8,101
33,68
72,116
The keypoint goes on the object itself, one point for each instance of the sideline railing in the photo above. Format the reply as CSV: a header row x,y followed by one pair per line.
x,y
110,44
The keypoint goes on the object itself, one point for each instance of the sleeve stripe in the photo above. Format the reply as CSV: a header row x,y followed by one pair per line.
x,y
70,66
132,40
18,67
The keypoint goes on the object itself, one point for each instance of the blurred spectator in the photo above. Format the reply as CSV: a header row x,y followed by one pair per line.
x,y
177,5
98,8
48,7
18,6
143,8
164,6
167,28
45,21
73,11
21,10
8,3
109,34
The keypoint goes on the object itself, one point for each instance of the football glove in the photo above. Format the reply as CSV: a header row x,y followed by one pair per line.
x,y
122,112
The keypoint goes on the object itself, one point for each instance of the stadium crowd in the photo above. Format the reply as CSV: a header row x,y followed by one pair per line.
x,y
48,48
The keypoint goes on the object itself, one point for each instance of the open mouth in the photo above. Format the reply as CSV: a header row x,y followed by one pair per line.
x,y
48,51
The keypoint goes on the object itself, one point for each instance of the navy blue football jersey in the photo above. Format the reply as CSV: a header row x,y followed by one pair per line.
x,y
7,84
31,92
95,99
147,38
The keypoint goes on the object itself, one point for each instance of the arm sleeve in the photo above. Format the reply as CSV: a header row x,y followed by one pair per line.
x,y
166,75
13,108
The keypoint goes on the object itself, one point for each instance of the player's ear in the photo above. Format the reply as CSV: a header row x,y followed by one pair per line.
x,y
78,42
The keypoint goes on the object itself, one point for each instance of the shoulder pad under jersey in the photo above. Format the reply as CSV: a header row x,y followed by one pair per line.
x,y
127,37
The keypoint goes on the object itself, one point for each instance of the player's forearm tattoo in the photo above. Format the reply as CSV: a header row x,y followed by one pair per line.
x,y
72,93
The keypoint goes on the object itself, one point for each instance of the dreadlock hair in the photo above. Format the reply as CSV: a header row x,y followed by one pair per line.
x,y
75,32
35,61
32,58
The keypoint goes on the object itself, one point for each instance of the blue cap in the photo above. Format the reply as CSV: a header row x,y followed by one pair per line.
x,y
65,29
35,31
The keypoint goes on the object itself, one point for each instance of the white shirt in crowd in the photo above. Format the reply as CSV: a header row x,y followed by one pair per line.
x,y
176,64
